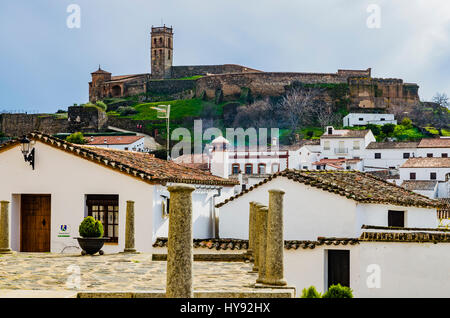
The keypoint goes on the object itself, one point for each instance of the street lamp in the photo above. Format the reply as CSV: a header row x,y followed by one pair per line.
x,y
28,154
163,111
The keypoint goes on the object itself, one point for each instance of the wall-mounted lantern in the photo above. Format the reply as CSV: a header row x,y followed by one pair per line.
x,y
28,154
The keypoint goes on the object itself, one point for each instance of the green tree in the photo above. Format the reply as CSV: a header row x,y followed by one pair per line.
x,y
311,292
407,123
374,128
338,291
388,129
76,138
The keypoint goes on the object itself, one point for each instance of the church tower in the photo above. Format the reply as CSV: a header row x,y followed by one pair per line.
x,y
161,52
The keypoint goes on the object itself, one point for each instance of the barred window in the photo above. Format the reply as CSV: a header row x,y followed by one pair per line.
x,y
105,208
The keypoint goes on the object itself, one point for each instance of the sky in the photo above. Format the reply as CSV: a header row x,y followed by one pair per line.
x,y
46,66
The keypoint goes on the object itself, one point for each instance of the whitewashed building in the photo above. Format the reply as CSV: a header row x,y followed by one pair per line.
x,y
351,228
388,155
68,182
131,143
344,143
363,119
434,147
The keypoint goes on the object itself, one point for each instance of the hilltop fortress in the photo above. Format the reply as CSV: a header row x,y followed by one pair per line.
x,y
231,81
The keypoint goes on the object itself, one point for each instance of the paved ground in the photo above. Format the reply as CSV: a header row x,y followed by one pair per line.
x,y
115,272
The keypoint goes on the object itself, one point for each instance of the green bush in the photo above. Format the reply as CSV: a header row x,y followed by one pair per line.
x,y
374,128
311,292
407,123
126,110
90,228
76,138
101,104
388,129
338,291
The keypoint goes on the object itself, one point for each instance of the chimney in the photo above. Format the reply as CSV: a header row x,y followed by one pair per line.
x,y
220,157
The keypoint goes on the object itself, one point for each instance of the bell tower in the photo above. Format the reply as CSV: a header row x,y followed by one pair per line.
x,y
161,52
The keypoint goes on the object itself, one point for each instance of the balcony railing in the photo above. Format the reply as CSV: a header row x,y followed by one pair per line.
x,y
340,150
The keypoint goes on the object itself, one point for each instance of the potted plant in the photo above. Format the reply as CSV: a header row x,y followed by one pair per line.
x,y
91,240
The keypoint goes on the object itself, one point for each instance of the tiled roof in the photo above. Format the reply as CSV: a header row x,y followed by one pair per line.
x,y
335,163
353,185
434,143
100,71
140,165
418,237
404,229
347,133
112,140
384,174
238,244
419,185
427,162
393,145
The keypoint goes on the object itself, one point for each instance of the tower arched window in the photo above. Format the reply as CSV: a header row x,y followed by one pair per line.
x,y
160,40
154,41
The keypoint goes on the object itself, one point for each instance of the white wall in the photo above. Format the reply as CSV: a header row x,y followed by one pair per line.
x,y
389,157
353,119
424,173
308,212
437,152
138,145
406,269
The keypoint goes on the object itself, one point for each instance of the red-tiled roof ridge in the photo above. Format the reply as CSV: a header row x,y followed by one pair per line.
x,y
112,140
151,170
350,189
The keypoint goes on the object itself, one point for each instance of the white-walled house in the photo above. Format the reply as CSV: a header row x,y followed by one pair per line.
x,y
132,143
388,155
70,182
434,147
363,119
343,226
307,155
344,143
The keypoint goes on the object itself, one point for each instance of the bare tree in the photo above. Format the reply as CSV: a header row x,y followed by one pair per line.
x,y
441,99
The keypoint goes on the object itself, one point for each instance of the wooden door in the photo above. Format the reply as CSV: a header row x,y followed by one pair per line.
x,y
35,223
339,267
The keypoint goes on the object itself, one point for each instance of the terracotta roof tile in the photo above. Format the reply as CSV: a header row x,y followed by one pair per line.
x,y
426,162
347,133
140,165
419,185
354,185
112,140
393,145
434,143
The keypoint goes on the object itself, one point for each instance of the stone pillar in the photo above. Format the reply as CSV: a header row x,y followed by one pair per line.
x,y
251,230
275,240
262,231
179,250
129,229
4,228
257,224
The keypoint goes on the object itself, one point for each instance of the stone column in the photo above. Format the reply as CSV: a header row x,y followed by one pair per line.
x,y
262,244
129,229
251,230
257,226
4,228
275,240
179,250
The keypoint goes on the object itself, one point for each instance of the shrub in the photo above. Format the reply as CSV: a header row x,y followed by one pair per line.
x,y
388,129
310,134
101,104
76,138
374,128
311,292
126,110
338,291
407,123
90,228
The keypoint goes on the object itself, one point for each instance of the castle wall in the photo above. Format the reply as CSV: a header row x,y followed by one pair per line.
x,y
17,125
169,87
263,84
85,119
193,70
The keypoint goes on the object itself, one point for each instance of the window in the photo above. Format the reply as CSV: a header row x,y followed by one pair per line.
x,y
105,208
326,145
248,168
444,155
412,176
275,167
330,130
235,168
356,145
360,119
382,119
405,155
261,168
338,267
165,203
396,218
432,175
429,155
377,155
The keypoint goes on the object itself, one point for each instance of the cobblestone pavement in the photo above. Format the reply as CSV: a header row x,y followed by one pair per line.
x,y
114,272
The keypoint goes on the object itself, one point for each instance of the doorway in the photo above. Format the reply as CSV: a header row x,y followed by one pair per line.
x,y
35,222
338,267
